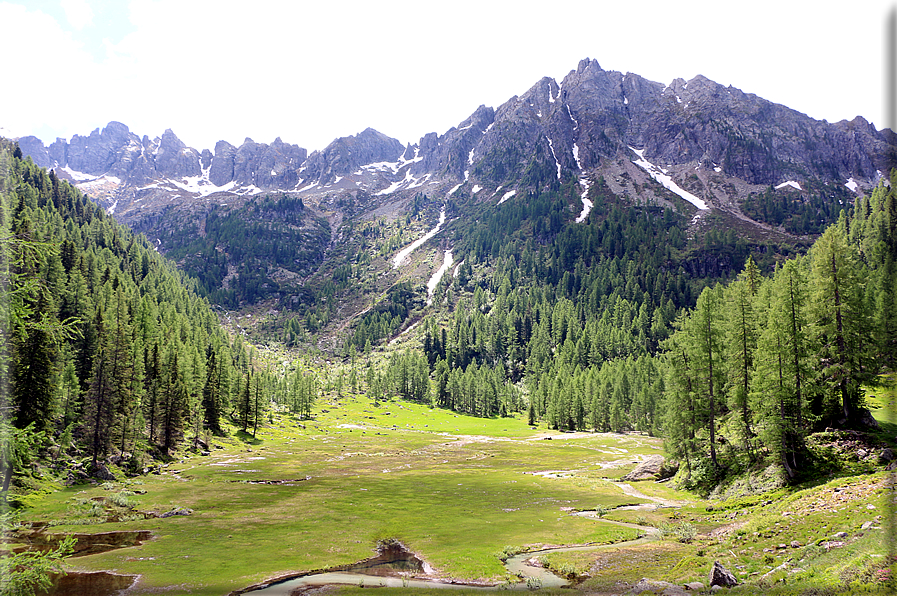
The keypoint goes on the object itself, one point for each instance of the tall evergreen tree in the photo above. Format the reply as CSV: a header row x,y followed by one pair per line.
x,y
840,321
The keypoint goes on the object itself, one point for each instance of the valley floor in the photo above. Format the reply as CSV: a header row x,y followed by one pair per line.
x,y
463,494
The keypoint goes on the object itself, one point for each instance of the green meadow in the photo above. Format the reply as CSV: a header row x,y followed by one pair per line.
x,y
462,493
306,495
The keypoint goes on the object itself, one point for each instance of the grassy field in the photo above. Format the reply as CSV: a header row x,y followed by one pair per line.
x,y
456,490
460,491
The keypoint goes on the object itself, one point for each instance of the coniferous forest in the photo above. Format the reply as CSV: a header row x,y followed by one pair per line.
x,y
738,353
732,352
108,348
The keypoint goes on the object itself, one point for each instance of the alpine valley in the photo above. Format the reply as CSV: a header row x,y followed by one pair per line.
x,y
612,334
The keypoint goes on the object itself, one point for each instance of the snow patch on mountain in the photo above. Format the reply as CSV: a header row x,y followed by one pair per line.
x,y
572,119
586,203
851,184
790,183
665,180
556,162
202,186
407,181
78,176
434,279
403,254
507,196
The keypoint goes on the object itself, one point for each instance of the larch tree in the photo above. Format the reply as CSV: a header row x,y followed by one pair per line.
x,y
840,321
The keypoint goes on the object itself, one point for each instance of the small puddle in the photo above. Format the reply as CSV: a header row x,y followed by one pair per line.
x,y
393,567
90,544
95,583
98,583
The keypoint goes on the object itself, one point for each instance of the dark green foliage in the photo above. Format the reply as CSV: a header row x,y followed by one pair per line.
x,y
799,212
799,348
387,317
101,334
256,239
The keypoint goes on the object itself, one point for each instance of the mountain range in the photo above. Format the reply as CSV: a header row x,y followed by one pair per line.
x,y
717,142
765,172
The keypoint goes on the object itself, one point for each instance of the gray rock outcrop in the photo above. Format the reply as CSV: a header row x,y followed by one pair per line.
x,y
720,576
647,470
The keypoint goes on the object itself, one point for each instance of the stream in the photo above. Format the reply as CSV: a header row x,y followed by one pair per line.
x,y
394,567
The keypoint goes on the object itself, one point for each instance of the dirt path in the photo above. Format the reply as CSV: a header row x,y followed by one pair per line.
x,y
628,489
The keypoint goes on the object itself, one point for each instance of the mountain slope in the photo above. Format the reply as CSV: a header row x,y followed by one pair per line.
x,y
728,160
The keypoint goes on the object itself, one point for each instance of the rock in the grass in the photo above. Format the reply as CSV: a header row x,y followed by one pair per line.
x,y
694,586
840,535
867,525
720,576
886,455
647,470
101,472
649,585
867,419
177,511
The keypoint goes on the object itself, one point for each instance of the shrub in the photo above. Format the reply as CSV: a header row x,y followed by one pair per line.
x,y
121,499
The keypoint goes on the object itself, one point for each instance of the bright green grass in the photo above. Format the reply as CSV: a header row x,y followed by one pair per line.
x,y
456,490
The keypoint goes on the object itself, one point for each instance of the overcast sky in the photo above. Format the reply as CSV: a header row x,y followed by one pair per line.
x,y
311,71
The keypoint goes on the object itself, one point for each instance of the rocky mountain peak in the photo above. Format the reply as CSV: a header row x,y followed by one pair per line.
x,y
173,159
582,127
346,154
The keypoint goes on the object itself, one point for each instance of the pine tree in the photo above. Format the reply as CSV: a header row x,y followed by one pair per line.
x,y
740,344
840,322
173,403
211,394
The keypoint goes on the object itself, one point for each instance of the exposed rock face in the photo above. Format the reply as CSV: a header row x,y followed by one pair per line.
x,y
115,151
174,159
347,154
34,147
222,168
595,114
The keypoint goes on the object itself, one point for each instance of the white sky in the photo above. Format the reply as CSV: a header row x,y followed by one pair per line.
x,y
311,71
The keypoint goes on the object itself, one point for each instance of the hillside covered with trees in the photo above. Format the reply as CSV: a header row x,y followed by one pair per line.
x,y
108,351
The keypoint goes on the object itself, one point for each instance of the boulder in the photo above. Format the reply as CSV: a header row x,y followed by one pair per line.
x,y
647,470
101,472
867,419
720,576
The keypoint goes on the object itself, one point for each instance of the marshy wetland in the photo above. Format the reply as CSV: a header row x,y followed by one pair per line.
x,y
477,502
